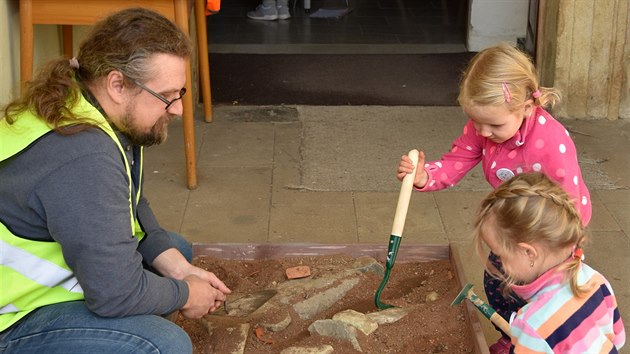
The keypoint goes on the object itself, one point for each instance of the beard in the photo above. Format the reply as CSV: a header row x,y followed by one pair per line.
x,y
156,135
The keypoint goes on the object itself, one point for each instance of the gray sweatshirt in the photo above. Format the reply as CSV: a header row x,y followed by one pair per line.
x,y
74,190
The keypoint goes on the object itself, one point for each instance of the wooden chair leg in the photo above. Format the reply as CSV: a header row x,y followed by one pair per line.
x,y
26,41
204,67
66,31
181,18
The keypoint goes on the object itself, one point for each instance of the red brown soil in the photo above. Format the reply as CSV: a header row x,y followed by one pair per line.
x,y
431,327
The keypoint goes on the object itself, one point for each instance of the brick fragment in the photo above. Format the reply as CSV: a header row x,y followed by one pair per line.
x,y
298,272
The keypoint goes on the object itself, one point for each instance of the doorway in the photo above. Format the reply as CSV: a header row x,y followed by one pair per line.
x,y
360,27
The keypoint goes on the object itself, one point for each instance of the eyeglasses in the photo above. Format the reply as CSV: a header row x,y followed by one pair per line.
x,y
168,103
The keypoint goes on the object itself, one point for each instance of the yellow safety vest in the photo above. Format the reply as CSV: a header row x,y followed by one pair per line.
x,y
34,273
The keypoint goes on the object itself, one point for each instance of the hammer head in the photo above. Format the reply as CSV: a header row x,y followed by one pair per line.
x,y
462,295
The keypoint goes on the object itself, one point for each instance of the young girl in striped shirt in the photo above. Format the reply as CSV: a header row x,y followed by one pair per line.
x,y
534,228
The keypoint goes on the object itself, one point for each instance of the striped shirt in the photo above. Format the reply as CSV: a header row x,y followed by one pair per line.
x,y
556,321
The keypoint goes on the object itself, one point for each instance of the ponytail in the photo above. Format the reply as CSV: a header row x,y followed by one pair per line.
x,y
49,94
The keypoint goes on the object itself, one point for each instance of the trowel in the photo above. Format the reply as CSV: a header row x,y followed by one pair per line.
x,y
241,305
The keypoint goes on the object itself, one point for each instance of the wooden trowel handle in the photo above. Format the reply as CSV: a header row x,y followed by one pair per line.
x,y
405,195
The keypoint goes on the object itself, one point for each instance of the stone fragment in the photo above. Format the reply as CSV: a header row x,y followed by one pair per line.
x,y
336,329
233,336
390,315
278,322
432,296
317,303
242,331
357,320
367,264
322,349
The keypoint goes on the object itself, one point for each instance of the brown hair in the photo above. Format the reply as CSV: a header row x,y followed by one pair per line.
x,y
489,70
123,41
532,208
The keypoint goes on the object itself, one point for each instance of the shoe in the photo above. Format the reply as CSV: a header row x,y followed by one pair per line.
x,y
283,10
264,12
502,346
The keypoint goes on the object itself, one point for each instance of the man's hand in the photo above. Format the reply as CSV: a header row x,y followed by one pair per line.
x,y
202,297
405,166
206,291
209,277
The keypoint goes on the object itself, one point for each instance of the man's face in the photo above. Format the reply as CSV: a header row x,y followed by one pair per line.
x,y
146,120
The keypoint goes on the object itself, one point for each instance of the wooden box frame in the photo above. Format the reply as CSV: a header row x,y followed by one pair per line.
x,y
409,253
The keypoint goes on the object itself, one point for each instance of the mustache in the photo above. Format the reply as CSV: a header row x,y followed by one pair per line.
x,y
168,117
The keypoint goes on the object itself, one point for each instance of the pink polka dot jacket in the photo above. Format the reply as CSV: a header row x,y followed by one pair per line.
x,y
541,144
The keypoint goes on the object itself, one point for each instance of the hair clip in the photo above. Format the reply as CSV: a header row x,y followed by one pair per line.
x,y
536,94
74,63
506,92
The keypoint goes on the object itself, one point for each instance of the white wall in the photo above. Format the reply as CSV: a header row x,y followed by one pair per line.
x,y
493,21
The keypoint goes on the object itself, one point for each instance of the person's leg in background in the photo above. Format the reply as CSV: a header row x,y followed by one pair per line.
x,y
270,10
283,9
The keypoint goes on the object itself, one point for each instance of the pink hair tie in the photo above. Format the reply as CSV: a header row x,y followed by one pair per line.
x,y
506,92
578,253
536,94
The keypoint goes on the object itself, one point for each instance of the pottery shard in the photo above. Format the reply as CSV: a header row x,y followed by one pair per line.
x,y
298,272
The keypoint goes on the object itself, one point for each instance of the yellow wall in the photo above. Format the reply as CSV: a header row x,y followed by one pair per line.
x,y
46,45
9,49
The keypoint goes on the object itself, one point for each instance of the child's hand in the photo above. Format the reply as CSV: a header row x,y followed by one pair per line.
x,y
405,166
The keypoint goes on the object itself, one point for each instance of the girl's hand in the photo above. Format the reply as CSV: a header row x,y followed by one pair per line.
x,y
405,166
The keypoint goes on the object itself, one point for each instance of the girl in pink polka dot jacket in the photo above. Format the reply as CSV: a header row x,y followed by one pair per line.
x,y
509,132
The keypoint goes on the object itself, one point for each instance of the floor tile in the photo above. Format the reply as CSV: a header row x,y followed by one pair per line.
x,y
313,217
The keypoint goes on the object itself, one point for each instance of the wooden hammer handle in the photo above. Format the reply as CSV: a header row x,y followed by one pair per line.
x,y
489,312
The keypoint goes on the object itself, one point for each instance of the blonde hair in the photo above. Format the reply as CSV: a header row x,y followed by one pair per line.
x,y
503,75
531,208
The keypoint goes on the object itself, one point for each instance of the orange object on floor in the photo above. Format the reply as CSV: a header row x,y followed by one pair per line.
x,y
213,7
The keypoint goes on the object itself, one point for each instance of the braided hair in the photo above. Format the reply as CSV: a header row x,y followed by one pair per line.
x,y
530,208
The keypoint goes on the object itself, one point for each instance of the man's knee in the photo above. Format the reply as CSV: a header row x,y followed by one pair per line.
x,y
170,338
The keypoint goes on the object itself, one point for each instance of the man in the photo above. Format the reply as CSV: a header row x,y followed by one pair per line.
x,y
84,265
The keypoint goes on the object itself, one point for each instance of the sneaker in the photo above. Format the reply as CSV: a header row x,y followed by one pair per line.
x,y
283,11
502,346
264,13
